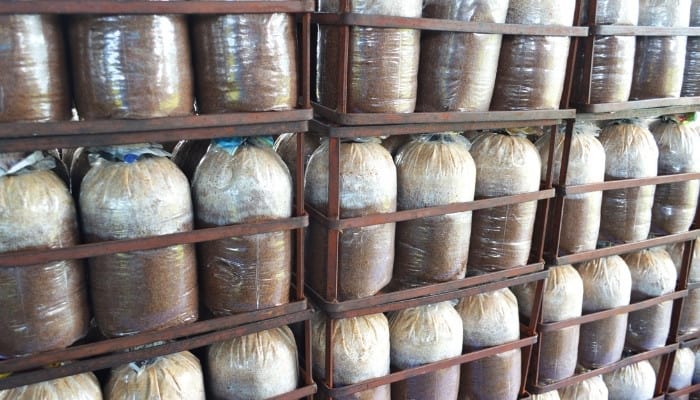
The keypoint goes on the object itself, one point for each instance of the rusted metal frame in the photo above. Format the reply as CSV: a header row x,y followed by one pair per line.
x,y
335,130
682,392
152,7
31,257
107,346
405,215
625,248
638,108
307,391
663,376
299,211
690,342
556,226
364,119
689,337
104,139
308,364
444,25
119,358
399,300
531,359
599,315
424,369
65,128
538,389
628,183
629,30
306,61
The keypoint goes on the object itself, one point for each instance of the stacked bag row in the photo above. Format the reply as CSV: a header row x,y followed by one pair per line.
x,y
429,170
626,149
130,192
235,369
145,66
401,70
372,346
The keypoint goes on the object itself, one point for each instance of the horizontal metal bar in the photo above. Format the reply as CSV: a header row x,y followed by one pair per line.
x,y
104,139
120,358
433,24
692,337
627,30
405,215
638,108
624,248
429,294
682,392
107,346
305,391
690,342
63,128
522,117
597,316
414,129
153,7
341,392
32,257
647,355
627,183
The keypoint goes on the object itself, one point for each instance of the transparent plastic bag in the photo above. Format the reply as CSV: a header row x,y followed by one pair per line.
x,y
382,63
681,371
367,186
433,170
422,335
188,153
613,60
653,274
286,147
531,69
173,376
630,152
563,298
501,236
607,284
581,217
45,306
361,351
676,252
131,66
679,151
636,381
244,183
590,389
458,70
128,196
256,366
691,73
34,79
660,60
245,62
75,387
690,313
489,319
495,377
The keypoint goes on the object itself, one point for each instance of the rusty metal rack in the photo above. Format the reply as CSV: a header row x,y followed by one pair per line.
x,y
595,30
89,356
527,340
346,19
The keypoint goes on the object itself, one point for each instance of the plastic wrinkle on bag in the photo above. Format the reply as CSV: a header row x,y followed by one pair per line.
x,y
422,335
260,365
34,79
145,289
433,170
679,152
691,73
83,386
613,56
367,186
382,63
245,62
660,60
630,152
532,69
581,216
607,284
131,66
501,236
243,181
458,70
44,305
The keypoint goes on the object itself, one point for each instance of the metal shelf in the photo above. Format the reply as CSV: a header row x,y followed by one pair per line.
x,y
153,7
